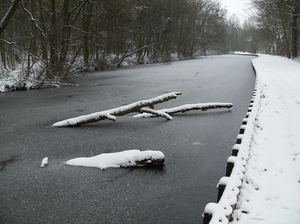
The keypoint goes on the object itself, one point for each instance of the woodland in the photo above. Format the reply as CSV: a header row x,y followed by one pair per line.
x,y
54,41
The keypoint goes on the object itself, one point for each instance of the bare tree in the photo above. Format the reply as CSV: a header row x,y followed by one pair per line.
x,y
277,21
10,12
294,8
234,34
65,37
3,24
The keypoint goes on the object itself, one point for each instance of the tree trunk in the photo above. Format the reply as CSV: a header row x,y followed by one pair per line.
x,y
4,22
53,39
43,39
287,42
33,43
2,50
295,31
87,14
141,107
65,33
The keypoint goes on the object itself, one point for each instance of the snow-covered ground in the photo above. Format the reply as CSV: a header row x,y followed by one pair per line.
x,y
17,78
241,52
265,181
270,191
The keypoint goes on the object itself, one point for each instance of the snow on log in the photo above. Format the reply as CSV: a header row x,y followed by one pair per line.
x,y
127,158
156,113
119,111
187,107
44,162
85,119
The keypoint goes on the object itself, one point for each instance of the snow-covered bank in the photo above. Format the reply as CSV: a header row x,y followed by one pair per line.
x,y
268,159
19,78
270,192
14,79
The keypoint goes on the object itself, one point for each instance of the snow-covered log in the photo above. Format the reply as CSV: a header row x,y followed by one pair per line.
x,y
187,107
120,111
127,158
44,162
156,113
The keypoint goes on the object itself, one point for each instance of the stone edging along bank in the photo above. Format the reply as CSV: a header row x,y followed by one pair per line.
x,y
228,186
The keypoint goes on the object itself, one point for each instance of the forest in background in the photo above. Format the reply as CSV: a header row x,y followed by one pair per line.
x,y
54,40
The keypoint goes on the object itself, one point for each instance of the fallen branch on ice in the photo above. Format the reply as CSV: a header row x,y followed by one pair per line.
x,y
152,112
141,107
185,108
120,111
128,158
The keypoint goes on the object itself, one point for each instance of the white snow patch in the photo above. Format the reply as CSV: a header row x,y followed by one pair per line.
x,y
128,158
44,162
17,78
241,52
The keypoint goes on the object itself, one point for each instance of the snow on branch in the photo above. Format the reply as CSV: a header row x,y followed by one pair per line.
x,y
185,108
119,111
127,158
155,113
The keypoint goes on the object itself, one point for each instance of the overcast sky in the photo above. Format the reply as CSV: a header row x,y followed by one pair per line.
x,y
238,7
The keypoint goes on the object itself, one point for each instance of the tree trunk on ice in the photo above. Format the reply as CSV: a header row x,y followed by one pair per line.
x,y
185,108
141,107
120,111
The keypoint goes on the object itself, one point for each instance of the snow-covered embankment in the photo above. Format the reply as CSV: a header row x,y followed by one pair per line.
x,y
264,184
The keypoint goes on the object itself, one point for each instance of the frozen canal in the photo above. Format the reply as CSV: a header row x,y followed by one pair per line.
x,y
196,145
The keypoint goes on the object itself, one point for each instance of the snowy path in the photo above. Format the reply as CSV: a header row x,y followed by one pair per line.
x,y
270,193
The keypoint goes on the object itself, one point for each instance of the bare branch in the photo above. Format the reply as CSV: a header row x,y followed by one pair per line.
x,y
156,113
19,48
4,22
34,21
188,107
119,111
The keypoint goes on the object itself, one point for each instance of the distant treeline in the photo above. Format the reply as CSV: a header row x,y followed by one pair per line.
x,y
61,37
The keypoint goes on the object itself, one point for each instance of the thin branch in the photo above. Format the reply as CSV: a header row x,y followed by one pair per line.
x,y
34,21
188,107
25,52
199,106
146,46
